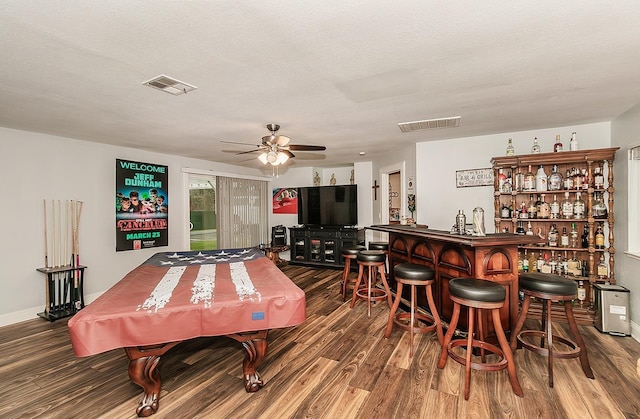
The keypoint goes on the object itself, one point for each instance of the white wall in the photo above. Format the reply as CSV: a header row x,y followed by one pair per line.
x,y
625,132
36,166
437,198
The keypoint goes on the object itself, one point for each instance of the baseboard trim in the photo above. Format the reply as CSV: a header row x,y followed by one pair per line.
x,y
32,313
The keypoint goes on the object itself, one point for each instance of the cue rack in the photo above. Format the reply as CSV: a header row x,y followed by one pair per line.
x,y
64,276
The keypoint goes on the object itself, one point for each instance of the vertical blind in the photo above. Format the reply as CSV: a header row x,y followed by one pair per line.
x,y
243,212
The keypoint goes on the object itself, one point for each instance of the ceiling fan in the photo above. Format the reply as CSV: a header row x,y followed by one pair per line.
x,y
275,148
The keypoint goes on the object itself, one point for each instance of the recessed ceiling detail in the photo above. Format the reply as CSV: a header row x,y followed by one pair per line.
x,y
169,85
451,122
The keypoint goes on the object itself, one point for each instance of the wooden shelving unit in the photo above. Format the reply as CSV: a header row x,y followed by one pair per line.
x,y
565,160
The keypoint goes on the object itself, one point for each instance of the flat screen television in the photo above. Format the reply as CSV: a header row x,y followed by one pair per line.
x,y
328,205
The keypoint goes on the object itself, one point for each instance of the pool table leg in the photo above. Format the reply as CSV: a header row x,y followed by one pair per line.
x,y
143,370
255,343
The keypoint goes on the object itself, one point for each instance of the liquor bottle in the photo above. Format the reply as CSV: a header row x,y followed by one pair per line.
x,y
540,262
541,179
536,147
529,231
582,293
546,266
603,270
599,207
552,237
564,239
533,262
505,212
529,181
554,182
532,209
520,229
520,263
525,262
523,210
585,179
553,262
554,207
573,143
574,266
507,186
585,237
501,179
565,264
559,265
599,238
577,178
510,150
598,178
566,207
544,210
519,180
541,235
578,207
558,145
573,242
568,181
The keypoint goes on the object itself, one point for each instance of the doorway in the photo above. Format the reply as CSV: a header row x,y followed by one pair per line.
x,y
394,197
203,234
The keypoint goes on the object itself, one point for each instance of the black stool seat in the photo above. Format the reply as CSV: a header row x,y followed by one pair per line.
x,y
378,246
413,271
348,253
548,284
372,256
352,250
477,290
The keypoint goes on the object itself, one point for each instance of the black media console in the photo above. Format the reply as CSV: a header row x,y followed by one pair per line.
x,y
321,245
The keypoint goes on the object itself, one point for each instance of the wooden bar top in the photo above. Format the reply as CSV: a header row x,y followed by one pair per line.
x,y
493,239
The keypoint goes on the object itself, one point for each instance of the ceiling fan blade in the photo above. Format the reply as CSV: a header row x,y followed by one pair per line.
x,y
234,142
300,147
247,152
288,153
282,140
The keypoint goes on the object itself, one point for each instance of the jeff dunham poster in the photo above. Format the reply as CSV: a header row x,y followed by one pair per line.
x,y
141,205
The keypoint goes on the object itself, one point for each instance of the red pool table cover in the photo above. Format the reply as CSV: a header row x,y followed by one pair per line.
x,y
184,295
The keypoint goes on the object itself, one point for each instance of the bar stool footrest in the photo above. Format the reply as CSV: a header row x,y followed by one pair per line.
x,y
376,294
402,320
572,352
480,366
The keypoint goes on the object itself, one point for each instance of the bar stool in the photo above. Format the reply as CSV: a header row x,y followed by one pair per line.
x,y
414,276
550,287
478,294
373,260
384,246
348,253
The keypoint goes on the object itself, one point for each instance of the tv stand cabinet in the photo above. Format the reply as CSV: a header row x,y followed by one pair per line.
x,y
322,245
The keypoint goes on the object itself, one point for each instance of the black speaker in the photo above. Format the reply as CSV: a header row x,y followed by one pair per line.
x,y
278,235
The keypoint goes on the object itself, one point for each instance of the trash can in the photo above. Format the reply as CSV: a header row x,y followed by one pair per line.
x,y
612,309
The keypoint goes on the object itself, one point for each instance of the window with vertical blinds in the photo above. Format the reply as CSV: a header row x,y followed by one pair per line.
x,y
243,212
634,200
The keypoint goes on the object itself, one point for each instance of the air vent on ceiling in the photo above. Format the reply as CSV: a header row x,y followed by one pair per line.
x,y
169,85
451,122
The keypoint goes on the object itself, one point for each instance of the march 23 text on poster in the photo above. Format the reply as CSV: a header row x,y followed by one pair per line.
x,y
141,205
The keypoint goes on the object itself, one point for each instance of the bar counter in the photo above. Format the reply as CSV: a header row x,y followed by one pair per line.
x,y
493,257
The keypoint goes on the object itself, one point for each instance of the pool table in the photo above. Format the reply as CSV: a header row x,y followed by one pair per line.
x,y
173,297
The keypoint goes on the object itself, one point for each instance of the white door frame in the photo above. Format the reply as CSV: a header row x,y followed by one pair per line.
x,y
383,207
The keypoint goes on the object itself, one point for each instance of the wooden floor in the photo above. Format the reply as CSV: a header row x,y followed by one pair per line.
x,y
335,365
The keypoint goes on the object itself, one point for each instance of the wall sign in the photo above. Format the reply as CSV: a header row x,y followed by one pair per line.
x,y
474,177
141,205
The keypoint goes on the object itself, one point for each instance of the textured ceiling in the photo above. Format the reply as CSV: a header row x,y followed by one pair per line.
x,y
337,73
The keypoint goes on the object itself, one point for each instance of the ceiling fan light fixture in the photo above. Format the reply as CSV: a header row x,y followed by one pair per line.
x,y
263,158
282,158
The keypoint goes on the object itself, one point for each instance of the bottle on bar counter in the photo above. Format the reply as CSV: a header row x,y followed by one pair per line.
x,y
582,294
558,145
